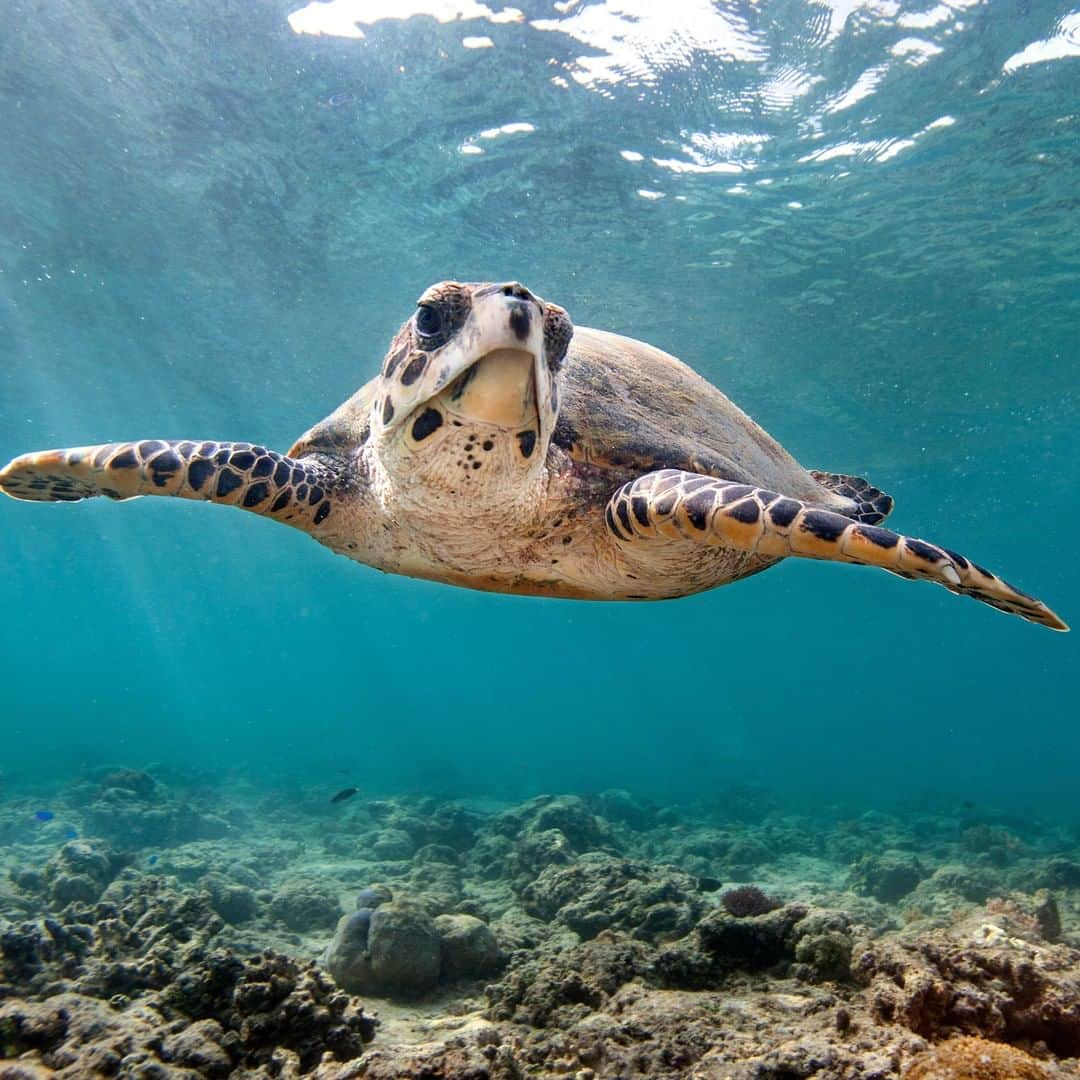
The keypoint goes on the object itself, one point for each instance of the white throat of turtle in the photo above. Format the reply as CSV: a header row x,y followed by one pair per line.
x,y
499,389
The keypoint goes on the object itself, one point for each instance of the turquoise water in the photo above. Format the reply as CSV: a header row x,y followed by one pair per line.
x,y
859,219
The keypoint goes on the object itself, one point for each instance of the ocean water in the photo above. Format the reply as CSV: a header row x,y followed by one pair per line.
x,y
859,218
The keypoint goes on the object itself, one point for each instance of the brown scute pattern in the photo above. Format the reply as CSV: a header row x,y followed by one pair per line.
x,y
236,474
872,506
679,505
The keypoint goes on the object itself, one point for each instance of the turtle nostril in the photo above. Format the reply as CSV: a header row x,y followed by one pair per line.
x,y
517,290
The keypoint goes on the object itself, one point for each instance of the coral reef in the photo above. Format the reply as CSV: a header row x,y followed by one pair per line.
x,y
598,937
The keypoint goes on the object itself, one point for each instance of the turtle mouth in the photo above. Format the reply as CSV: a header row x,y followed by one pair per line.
x,y
499,389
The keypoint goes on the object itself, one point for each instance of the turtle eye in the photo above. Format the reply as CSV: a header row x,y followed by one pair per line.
x,y
429,320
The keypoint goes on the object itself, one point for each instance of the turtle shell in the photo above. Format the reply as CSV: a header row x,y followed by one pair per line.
x,y
633,408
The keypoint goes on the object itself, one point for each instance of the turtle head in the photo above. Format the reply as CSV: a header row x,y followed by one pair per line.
x,y
472,380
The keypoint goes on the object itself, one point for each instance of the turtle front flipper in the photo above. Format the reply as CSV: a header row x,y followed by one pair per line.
x,y
687,506
297,492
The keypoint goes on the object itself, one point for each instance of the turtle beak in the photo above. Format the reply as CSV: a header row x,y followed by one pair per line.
x,y
520,323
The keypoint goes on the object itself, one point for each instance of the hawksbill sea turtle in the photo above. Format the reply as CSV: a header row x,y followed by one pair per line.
x,y
502,449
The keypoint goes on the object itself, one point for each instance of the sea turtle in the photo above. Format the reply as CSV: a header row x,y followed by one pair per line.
x,y
501,449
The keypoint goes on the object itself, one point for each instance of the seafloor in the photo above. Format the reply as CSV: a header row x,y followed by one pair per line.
x,y
152,929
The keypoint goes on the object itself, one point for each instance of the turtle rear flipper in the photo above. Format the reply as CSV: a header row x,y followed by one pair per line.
x,y
297,492
872,506
687,506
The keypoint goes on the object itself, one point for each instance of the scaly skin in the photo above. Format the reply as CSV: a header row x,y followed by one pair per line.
x,y
675,505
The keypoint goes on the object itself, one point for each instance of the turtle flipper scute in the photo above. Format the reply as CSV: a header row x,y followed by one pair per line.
x,y
687,506
297,492
870,505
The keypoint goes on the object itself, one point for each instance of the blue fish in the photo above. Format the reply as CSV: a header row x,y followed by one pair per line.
x,y
152,860
71,834
44,815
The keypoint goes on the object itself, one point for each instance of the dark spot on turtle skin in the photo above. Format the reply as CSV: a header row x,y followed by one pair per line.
x,y
256,494
280,502
301,492
665,504
527,442
476,464
394,359
824,524
430,420
733,493
925,550
567,539
488,445
199,471
387,411
609,518
961,562
299,474
164,467
463,381
697,508
242,460
282,472
75,457
783,512
624,517
316,495
414,369
746,511
102,456
322,513
228,482
883,538
207,449
126,459
982,570
697,483
640,505
263,467
151,446
520,321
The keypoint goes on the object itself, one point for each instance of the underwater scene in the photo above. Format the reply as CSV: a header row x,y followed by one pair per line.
x,y
475,771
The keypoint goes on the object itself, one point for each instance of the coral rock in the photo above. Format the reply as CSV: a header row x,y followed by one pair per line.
x,y
399,955
967,1058
468,947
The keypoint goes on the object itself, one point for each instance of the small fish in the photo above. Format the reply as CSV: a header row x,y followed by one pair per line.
x,y
152,860
43,815
342,97
344,793
71,834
